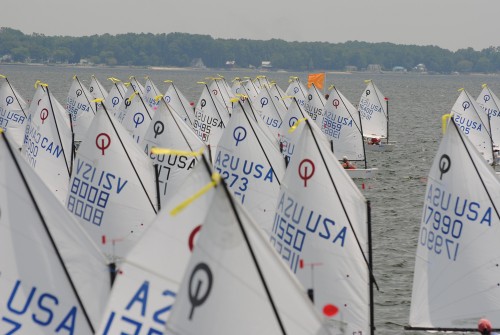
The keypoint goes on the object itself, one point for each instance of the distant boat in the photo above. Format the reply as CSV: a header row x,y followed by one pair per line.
x,y
374,109
341,124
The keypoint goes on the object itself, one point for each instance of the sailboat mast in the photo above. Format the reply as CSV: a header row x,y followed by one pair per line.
x,y
387,112
370,261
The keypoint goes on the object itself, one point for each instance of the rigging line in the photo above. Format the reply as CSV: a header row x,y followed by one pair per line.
x,y
272,100
182,104
49,235
342,204
101,89
145,107
360,127
380,101
83,91
59,135
370,259
319,96
477,171
212,98
254,257
137,84
178,126
281,97
348,111
221,95
119,91
15,95
260,144
225,89
129,159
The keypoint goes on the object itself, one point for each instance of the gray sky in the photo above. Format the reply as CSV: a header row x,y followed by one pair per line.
x,y
450,24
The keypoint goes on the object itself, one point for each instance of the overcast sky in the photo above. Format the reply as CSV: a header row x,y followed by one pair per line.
x,y
450,24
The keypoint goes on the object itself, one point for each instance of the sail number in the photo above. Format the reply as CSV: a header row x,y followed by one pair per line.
x,y
440,233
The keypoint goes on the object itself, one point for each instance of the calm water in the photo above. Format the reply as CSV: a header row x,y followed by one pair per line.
x,y
416,105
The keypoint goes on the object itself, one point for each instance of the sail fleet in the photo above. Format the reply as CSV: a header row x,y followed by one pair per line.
x,y
132,211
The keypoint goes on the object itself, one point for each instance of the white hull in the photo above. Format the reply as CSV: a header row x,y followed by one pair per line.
x,y
362,173
382,147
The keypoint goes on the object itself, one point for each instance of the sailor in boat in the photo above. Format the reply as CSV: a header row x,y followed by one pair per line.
x,y
347,165
484,327
374,140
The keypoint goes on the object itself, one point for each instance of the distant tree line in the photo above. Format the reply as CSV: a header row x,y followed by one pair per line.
x,y
180,49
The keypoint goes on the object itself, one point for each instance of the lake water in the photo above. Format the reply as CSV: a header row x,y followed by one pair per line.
x,y
416,105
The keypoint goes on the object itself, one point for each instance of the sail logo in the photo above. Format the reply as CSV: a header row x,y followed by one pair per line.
x,y
102,142
138,119
35,308
158,128
145,312
44,114
90,191
294,222
200,290
306,170
239,134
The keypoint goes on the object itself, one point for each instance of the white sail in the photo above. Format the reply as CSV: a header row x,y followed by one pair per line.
x,y
150,94
176,99
54,280
291,131
80,109
261,81
167,130
13,112
219,90
112,187
456,265
48,143
135,114
252,166
210,119
136,85
236,284
473,121
150,276
115,96
320,229
342,125
270,110
248,88
96,89
373,110
315,105
490,104
298,90
278,94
